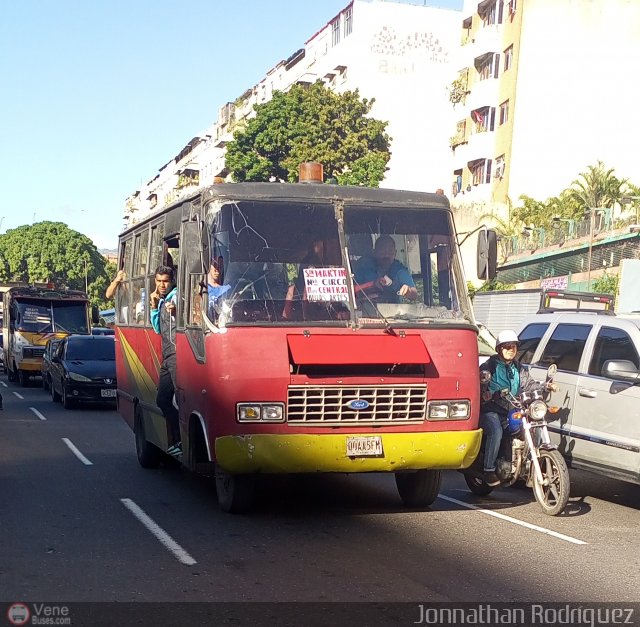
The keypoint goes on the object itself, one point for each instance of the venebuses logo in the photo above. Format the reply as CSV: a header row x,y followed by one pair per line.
x,y
18,614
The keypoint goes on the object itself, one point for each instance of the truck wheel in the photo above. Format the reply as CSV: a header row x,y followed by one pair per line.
x,y
420,488
149,455
23,378
235,492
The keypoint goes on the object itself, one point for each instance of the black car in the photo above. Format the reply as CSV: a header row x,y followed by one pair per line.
x,y
45,367
83,369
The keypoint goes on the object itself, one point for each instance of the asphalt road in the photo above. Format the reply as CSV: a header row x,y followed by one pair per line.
x,y
83,522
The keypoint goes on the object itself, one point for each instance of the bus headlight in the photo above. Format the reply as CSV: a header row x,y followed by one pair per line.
x,y
448,410
538,410
260,412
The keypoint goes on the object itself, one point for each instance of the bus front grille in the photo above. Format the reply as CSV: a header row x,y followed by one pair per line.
x,y
361,404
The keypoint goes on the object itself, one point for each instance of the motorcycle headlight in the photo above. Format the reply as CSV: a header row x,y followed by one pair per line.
x,y
538,410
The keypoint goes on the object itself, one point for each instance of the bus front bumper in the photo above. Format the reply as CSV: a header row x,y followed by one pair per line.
x,y
305,453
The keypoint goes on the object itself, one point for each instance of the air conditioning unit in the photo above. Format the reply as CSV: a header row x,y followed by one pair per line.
x,y
634,228
499,173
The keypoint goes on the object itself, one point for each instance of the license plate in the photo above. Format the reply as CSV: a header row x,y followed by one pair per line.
x,y
108,393
365,446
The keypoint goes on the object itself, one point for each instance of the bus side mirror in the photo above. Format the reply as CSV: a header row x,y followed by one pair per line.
x,y
487,254
95,315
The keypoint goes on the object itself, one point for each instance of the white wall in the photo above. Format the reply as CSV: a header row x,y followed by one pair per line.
x,y
577,94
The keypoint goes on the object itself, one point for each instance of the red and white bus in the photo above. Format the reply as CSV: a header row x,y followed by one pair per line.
x,y
298,368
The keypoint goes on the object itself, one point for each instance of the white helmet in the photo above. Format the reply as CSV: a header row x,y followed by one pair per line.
x,y
507,337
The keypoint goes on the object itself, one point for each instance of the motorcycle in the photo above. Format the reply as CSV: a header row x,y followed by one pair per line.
x,y
526,452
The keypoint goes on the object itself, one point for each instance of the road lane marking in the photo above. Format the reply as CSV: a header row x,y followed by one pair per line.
x,y
19,395
4,385
555,534
168,542
76,452
37,413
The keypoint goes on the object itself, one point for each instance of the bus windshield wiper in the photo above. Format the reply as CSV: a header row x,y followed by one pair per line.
x,y
387,325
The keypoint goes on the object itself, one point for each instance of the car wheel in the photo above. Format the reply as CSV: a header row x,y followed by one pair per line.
x,y
55,397
67,403
45,384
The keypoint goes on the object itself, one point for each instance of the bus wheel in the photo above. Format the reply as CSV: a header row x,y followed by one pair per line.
x,y
420,488
149,455
235,492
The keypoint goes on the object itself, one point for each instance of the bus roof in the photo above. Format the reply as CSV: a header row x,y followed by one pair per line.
x,y
31,291
320,192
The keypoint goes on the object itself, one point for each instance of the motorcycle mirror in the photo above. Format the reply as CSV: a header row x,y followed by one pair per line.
x,y
485,376
551,371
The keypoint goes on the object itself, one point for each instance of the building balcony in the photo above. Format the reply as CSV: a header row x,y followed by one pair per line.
x,y
480,145
486,39
483,94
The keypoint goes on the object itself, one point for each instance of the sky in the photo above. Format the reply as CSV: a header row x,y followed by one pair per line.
x,y
97,95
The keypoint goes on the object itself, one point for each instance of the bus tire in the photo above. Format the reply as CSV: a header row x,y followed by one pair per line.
x,y
419,488
235,492
149,455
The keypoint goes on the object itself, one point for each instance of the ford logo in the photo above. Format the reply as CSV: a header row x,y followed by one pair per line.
x,y
358,404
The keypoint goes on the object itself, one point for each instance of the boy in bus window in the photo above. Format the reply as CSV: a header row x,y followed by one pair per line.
x,y
382,276
215,284
163,320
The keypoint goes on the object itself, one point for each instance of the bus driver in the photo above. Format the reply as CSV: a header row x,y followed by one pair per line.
x,y
384,278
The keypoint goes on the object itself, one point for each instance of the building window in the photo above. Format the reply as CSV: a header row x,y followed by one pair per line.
x,y
500,165
508,58
480,171
511,6
504,113
490,15
488,66
484,119
335,31
348,21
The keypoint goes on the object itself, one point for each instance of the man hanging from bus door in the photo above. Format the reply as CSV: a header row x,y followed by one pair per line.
x,y
163,320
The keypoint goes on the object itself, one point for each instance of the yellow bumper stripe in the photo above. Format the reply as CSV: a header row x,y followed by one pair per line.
x,y
327,452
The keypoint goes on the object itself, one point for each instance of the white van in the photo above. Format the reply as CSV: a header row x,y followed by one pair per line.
x,y
597,427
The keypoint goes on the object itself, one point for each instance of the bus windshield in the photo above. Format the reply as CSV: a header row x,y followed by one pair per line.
x,y
284,263
51,317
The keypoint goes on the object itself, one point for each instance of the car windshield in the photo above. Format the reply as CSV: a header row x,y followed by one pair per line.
x,y
91,350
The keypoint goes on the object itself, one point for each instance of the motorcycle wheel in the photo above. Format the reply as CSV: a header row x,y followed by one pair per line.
x,y
553,494
477,485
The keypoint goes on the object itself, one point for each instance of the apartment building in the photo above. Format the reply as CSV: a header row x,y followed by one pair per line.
x,y
542,90
397,52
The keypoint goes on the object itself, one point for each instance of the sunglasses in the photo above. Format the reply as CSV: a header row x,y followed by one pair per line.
x,y
509,347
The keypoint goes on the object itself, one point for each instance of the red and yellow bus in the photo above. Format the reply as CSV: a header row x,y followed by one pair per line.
x,y
298,367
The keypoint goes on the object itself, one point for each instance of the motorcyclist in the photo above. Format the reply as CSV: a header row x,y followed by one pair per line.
x,y
506,373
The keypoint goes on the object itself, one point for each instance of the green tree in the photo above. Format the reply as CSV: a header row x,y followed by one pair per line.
x,y
311,123
597,187
605,284
51,251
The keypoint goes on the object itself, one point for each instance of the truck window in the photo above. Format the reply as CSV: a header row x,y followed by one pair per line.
x,y
565,346
530,337
612,344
